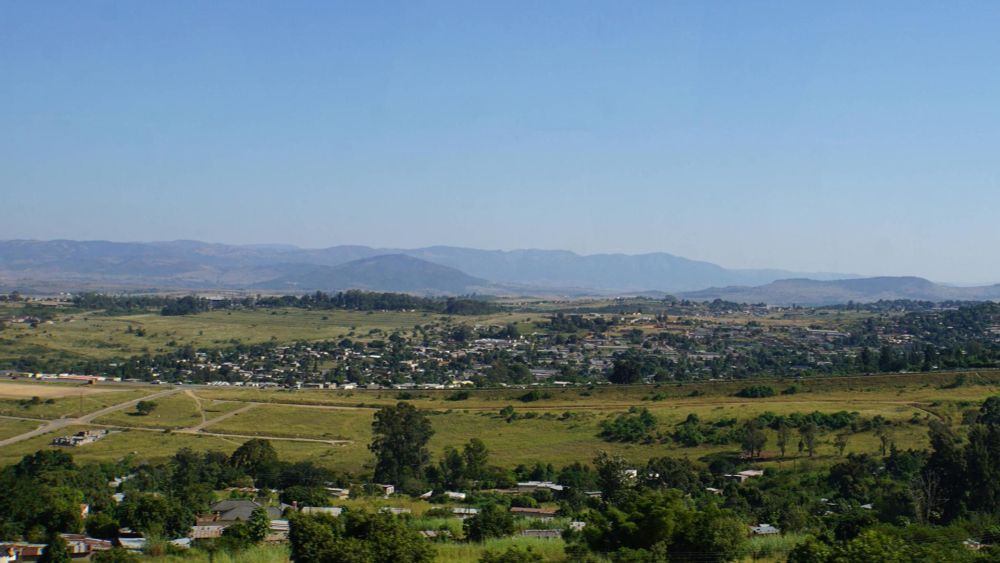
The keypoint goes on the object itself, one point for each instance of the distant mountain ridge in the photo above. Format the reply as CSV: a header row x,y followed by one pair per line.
x,y
193,265
861,290
387,272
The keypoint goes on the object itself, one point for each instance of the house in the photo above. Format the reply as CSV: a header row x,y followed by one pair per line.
x,y
532,486
132,544
746,474
386,489
80,438
80,545
395,511
338,492
183,543
21,551
539,513
278,531
238,510
206,531
452,495
463,513
764,530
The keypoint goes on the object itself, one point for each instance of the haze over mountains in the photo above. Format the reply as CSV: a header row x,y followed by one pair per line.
x,y
66,265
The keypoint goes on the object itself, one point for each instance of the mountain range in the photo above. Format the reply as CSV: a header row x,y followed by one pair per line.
x,y
66,265
861,290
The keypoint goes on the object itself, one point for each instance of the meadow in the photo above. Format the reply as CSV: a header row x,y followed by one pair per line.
x,y
561,427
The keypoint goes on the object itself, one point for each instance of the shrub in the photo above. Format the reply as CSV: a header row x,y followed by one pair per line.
x,y
756,392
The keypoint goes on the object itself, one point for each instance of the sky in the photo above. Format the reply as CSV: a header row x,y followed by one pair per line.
x,y
855,137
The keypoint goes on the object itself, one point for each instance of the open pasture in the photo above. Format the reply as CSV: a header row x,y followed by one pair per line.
x,y
60,400
561,427
97,336
14,390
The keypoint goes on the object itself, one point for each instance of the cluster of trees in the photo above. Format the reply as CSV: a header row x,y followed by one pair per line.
x,y
561,322
44,491
350,300
637,425
756,392
356,537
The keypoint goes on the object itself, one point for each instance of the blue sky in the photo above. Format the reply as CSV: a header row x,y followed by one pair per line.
x,y
837,136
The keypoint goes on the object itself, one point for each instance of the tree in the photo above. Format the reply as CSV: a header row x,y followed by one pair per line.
x,y
357,537
259,525
809,433
303,495
627,370
753,439
312,537
56,551
254,456
451,470
882,433
716,534
784,435
476,457
944,475
612,476
399,443
493,521
155,514
840,442
143,408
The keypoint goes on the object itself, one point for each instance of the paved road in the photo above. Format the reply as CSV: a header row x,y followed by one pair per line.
x,y
54,425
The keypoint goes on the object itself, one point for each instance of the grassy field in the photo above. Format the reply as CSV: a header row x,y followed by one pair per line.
x,y
97,336
559,429
182,410
59,400
9,427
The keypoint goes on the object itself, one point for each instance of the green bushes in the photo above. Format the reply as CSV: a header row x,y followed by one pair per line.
x,y
637,425
756,392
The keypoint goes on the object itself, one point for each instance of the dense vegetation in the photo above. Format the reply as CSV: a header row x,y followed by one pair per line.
x,y
349,300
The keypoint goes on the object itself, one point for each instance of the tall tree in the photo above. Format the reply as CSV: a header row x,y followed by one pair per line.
x,y
399,442
612,476
476,456
254,456
753,440
56,551
809,433
784,435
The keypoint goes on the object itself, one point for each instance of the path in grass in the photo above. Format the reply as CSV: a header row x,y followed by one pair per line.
x,y
83,420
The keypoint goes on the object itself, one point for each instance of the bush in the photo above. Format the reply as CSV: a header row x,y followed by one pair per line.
x,y
756,392
636,425
493,521
534,395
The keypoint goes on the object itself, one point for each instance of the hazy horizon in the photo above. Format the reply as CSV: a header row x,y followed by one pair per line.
x,y
850,137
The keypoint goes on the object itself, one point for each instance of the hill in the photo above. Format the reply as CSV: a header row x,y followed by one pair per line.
x,y
390,272
861,290
73,265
